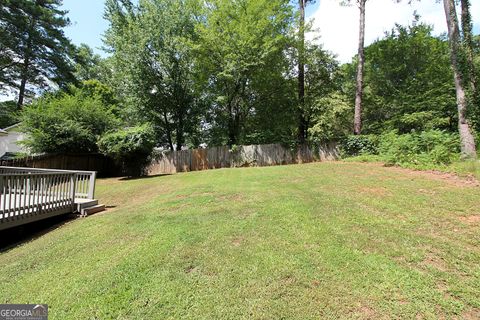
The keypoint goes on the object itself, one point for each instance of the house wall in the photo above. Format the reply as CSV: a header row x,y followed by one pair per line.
x,y
9,142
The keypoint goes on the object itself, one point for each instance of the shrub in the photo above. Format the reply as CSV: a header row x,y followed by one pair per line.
x,y
427,149
65,123
359,145
424,149
131,146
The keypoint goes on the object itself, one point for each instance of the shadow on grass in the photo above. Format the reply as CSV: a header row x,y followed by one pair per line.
x,y
145,177
16,236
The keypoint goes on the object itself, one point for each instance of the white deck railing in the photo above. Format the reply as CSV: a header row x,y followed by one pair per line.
x,y
30,194
84,180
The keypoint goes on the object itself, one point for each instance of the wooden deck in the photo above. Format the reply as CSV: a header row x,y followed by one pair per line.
x,y
31,194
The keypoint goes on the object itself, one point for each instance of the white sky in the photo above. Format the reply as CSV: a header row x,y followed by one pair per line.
x,y
338,26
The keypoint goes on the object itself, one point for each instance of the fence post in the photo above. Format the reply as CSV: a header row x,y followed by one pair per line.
x,y
91,185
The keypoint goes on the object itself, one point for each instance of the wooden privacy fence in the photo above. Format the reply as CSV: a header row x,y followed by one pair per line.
x,y
103,165
241,156
28,195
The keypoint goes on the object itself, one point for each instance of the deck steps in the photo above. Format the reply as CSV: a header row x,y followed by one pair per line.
x,y
85,203
92,209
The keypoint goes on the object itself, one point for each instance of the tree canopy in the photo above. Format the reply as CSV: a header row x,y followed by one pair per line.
x,y
34,51
228,72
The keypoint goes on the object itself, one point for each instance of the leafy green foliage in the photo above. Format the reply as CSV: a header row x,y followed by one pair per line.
x,y
128,142
66,123
8,113
331,118
427,148
155,67
98,90
88,65
131,146
408,82
238,43
355,145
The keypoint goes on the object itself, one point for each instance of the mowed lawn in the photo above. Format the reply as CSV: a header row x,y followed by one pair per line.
x,y
312,241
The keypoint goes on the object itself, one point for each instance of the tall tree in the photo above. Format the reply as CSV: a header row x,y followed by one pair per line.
x,y
357,121
87,63
154,64
467,141
468,45
302,118
237,42
302,122
33,48
410,82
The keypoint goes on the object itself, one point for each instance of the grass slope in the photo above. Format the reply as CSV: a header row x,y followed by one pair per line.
x,y
324,240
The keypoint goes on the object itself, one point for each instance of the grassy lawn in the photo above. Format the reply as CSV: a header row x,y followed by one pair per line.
x,y
324,240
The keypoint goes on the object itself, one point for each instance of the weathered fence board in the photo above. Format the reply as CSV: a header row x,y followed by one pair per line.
x,y
243,156
68,161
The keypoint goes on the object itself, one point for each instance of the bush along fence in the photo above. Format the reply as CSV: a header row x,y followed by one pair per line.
x,y
168,162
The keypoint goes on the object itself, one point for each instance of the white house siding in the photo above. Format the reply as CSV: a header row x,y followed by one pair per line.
x,y
9,141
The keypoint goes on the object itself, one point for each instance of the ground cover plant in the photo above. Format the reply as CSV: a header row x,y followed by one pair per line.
x,y
426,150
322,240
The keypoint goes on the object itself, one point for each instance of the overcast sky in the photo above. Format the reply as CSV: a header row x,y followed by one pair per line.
x,y
338,26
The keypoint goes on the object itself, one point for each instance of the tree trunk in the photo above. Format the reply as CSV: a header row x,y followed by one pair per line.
x,y
168,131
23,81
302,127
234,122
232,130
468,42
467,141
180,128
357,122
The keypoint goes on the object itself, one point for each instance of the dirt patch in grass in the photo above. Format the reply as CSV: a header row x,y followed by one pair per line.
x,y
431,260
427,192
471,314
469,181
237,242
366,312
316,283
450,178
288,280
191,269
230,197
474,219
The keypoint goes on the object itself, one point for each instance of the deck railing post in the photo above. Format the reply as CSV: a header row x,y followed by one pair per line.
x,y
3,198
91,185
73,180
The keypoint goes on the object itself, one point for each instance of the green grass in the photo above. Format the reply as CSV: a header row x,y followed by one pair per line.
x,y
324,240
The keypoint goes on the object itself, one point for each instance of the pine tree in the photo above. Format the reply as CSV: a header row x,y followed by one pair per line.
x,y
34,51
